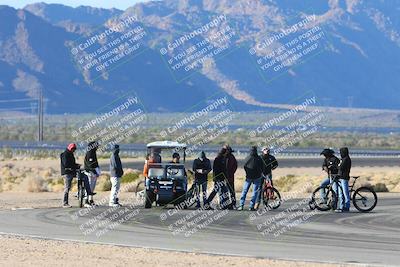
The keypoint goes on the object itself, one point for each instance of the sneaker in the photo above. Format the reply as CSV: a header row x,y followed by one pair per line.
x,y
91,202
115,205
240,208
338,210
87,205
252,209
346,210
66,206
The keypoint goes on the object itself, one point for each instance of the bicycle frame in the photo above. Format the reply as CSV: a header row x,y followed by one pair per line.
x,y
335,179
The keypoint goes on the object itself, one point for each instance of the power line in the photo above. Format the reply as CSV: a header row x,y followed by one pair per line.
x,y
16,100
8,109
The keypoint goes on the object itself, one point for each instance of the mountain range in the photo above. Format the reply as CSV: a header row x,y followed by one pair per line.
x,y
356,63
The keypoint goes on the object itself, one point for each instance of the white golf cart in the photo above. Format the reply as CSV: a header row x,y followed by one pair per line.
x,y
165,182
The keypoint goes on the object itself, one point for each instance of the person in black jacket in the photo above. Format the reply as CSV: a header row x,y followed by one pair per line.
x,y
344,177
253,167
269,163
330,166
201,169
220,180
116,172
231,166
92,169
69,169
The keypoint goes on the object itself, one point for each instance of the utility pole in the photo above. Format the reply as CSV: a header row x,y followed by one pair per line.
x,y
40,115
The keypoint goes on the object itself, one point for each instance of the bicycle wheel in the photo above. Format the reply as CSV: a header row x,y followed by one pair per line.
x,y
324,204
81,193
272,198
365,199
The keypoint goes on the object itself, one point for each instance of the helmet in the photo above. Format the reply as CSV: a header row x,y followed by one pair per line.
x,y
71,147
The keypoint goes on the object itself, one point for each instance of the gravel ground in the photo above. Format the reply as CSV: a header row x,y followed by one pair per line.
x,y
20,251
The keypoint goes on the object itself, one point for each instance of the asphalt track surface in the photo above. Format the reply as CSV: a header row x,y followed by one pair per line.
x,y
367,238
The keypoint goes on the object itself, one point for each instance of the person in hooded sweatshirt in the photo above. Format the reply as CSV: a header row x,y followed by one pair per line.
x,y
330,166
220,181
231,167
92,168
253,167
201,169
116,172
344,177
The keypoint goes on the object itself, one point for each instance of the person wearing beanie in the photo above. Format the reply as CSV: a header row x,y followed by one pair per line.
x,y
201,169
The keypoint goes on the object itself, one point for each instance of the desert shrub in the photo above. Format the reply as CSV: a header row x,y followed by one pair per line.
x,y
104,183
380,187
129,177
36,184
285,183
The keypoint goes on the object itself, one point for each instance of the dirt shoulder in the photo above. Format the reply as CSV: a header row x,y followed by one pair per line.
x,y
21,251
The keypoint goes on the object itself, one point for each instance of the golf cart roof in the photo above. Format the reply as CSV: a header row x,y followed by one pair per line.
x,y
166,145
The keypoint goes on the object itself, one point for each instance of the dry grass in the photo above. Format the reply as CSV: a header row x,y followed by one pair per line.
x,y
43,175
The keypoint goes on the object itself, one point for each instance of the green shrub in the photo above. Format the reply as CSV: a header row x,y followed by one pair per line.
x,y
380,187
129,177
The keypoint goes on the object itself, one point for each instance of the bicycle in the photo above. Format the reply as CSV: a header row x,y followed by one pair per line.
x,y
81,186
271,196
364,198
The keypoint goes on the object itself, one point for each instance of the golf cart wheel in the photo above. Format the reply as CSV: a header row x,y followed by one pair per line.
x,y
365,199
272,198
148,199
326,204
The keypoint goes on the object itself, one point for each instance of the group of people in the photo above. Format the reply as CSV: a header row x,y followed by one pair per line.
x,y
257,168
70,169
338,170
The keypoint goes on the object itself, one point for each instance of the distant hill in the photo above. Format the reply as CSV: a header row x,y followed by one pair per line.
x,y
356,62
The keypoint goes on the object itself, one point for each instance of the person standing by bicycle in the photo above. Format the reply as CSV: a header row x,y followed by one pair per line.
x,y
231,167
69,167
201,169
330,166
344,177
92,169
269,163
116,172
220,184
253,167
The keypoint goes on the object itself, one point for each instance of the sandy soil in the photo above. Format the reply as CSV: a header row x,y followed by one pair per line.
x,y
19,251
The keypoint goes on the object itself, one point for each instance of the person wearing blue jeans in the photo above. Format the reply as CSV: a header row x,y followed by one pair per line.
x,y
256,189
342,191
344,174
253,167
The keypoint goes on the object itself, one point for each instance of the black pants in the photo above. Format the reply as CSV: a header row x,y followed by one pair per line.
x,y
231,187
221,188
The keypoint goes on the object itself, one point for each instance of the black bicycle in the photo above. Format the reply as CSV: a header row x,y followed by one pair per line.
x,y
81,186
325,198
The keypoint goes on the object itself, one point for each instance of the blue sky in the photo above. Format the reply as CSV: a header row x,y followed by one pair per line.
x,y
120,4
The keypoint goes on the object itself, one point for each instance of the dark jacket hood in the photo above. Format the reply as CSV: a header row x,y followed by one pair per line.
x,y
253,151
327,152
344,152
